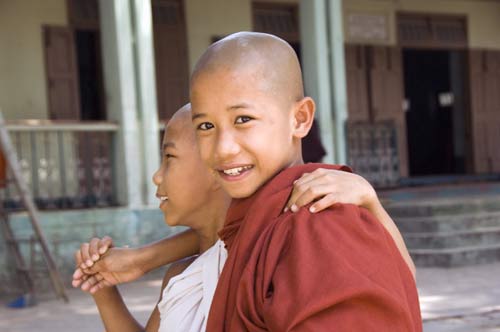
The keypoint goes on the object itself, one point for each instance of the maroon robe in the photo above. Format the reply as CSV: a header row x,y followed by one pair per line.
x,y
336,270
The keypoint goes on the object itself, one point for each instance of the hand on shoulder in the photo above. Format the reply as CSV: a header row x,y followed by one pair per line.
x,y
326,187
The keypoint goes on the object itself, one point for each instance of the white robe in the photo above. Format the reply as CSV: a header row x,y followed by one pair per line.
x,y
187,297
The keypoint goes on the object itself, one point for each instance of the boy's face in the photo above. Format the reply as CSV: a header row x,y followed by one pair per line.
x,y
244,129
184,184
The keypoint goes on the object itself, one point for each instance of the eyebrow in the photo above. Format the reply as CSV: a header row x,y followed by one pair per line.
x,y
198,115
230,108
238,106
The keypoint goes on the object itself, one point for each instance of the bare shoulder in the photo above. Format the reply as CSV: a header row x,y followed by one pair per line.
x,y
177,268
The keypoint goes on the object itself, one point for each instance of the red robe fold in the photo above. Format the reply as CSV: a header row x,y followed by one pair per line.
x,y
337,270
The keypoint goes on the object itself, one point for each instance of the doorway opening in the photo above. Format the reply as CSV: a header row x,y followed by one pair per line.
x,y
435,106
91,87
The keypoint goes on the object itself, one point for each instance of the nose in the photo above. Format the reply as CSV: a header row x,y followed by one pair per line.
x,y
158,176
227,145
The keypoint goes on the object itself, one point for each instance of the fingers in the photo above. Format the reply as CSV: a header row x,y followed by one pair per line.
x,y
326,202
301,185
78,282
78,258
99,266
313,186
86,261
94,249
91,281
77,278
105,243
312,194
91,252
306,177
78,274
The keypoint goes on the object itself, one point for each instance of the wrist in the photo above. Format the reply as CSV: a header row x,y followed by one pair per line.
x,y
143,258
104,293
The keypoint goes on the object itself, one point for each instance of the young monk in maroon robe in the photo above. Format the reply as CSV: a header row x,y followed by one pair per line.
x,y
335,270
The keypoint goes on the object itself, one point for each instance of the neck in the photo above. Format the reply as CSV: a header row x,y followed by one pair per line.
x,y
206,240
296,159
213,221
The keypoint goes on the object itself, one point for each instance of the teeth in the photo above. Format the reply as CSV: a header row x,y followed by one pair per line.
x,y
163,198
236,171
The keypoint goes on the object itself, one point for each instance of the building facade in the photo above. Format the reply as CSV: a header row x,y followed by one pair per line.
x,y
405,89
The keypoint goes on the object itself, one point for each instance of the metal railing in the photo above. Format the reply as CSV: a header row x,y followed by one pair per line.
x,y
372,152
66,164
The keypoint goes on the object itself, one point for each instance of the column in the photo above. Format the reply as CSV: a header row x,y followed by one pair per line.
x,y
146,93
338,77
121,98
324,71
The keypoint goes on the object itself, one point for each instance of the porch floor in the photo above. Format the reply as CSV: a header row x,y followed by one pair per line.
x,y
457,299
441,192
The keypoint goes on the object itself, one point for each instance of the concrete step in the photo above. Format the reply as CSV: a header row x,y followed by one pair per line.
x,y
446,232
448,223
453,239
451,257
439,207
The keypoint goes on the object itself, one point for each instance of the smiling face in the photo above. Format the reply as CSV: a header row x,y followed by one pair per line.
x,y
243,133
249,111
185,186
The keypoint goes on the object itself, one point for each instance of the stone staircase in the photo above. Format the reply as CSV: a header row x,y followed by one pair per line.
x,y
450,232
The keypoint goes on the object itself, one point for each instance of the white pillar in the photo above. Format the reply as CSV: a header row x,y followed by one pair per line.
x,y
338,78
324,71
121,98
146,93
316,68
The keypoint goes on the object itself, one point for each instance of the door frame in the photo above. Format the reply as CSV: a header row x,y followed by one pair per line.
x,y
433,43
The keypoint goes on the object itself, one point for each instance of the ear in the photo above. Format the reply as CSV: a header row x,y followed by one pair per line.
x,y
303,117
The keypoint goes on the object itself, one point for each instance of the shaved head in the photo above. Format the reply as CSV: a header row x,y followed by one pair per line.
x,y
249,110
252,53
181,126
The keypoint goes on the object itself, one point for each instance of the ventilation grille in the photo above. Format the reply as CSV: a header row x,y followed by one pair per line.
x,y
278,19
167,12
83,13
419,30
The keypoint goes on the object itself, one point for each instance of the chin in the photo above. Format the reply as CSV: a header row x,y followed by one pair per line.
x,y
240,191
172,222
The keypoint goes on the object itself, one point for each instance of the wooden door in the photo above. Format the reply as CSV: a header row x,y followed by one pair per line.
x,y
484,71
375,100
61,73
357,84
387,95
171,56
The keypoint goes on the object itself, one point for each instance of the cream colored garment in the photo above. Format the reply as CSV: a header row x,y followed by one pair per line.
x,y
187,297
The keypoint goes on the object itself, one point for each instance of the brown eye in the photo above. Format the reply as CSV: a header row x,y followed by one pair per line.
x,y
243,119
205,126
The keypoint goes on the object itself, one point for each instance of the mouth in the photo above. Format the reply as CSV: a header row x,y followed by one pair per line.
x,y
234,173
162,198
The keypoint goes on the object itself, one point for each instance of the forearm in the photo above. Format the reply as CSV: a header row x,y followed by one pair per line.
x,y
385,219
168,250
114,313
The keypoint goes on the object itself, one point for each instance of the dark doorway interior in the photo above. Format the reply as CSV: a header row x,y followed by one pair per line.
x,y
90,75
435,111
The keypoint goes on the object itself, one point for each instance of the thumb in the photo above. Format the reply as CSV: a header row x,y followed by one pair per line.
x,y
104,244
